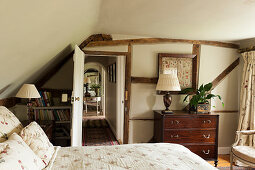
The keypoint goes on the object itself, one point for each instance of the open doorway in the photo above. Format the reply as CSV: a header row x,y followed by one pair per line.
x,y
94,90
103,122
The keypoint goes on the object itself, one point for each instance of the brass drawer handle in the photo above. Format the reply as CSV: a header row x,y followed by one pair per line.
x,y
207,153
207,121
174,136
207,137
176,121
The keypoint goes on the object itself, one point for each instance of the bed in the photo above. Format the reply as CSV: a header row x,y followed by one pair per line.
x,y
163,156
29,148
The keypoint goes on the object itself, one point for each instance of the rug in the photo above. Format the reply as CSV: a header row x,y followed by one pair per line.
x,y
97,133
235,168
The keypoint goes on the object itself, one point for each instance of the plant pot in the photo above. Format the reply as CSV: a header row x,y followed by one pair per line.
x,y
203,108
97,91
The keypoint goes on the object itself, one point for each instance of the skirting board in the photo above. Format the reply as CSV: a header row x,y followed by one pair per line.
x,y
223,150
113,130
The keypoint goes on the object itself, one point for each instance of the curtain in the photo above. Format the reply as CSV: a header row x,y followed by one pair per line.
x,y
247,99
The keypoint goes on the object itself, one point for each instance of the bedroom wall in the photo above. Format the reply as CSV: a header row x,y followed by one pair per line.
x,y
144,99
34,32
63,79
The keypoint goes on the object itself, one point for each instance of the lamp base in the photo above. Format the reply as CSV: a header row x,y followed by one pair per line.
x,y
167,111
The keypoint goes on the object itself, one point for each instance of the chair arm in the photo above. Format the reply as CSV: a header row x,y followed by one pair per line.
x,y
243,132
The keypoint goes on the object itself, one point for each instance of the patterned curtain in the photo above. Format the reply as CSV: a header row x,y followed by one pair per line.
x,y
247,102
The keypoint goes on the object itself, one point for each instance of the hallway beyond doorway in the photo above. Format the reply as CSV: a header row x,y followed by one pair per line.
x,y
97,132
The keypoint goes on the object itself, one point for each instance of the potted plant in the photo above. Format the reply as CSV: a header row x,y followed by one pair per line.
x,y
200,101
96,88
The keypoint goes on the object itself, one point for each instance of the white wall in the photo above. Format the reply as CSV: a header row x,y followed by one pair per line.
x,y
144,99
34,32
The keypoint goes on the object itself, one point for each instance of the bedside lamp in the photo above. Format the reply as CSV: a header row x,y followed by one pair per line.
x,y
28,91
86,82
167,83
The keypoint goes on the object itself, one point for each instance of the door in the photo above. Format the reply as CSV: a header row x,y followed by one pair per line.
x,y
77,98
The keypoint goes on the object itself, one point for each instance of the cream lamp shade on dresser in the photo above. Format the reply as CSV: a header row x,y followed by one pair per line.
x,y
28,91
168,82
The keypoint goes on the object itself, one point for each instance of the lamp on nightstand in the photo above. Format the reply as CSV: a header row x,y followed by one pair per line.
x,y
28,91
86,83
166,83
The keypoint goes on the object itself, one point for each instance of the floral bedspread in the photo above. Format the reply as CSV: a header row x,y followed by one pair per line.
x,y
160,156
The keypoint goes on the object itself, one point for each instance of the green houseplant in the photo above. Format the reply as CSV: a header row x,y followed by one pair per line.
x,y
200,100
96,88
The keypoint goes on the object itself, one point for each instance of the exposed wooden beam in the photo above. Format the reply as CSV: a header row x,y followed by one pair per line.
x,y
152,80
104,52
246,49
9,102
223,75
127,93
160,40
143,119
196,51
95,37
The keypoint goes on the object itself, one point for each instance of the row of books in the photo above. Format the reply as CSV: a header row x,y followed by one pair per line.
x,y
45,99
57,115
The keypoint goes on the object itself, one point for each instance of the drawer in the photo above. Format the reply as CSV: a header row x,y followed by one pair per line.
x,y
190,122
189,136
204,151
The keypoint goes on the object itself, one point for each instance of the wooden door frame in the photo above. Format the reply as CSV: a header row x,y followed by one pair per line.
x,y
127,83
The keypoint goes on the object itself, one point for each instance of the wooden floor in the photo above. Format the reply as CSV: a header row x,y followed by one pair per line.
x,y
223,161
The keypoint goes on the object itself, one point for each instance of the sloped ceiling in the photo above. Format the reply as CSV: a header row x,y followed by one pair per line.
x,y
33,32
224,20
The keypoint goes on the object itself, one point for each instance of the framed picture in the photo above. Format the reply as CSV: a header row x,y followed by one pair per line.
x,y
108,73
111,73
114,72
186,66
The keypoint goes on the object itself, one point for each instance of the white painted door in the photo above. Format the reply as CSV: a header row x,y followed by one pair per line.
x,y
77,98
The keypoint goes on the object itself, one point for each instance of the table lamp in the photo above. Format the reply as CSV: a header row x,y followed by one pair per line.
x,y
167,83
28,91
86,83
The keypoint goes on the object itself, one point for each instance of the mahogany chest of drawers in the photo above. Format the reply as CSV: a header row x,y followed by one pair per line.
x,y
198,132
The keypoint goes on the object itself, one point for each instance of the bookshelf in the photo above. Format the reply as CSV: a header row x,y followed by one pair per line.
x,y
49,108
60,116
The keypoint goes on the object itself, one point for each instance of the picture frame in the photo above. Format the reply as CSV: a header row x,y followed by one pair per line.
x,y
108,72
114,72
111,73
187,66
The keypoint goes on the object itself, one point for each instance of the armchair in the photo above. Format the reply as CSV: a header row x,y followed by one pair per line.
x,y
244,154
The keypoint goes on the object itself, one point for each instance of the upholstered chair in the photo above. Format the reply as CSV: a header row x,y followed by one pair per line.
x,y
244,154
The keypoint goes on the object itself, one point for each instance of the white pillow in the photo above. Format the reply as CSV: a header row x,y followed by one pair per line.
x,y
38,141
15,154
8,124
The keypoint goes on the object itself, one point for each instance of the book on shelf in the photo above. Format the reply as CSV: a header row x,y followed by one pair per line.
x,y
51,114
45,99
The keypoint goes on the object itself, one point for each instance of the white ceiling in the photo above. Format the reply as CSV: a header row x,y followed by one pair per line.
x,y
224,20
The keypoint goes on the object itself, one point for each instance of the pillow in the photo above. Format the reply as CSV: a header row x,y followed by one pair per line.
x,y
8,124
17,155
37,140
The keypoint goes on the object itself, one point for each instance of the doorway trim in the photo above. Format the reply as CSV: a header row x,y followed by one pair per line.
x,y
127,84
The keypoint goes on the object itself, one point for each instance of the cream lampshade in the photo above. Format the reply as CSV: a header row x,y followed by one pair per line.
x,y
167,83
87,80
28,91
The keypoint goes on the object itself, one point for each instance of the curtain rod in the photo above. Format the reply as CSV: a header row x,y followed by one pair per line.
x,y
246,49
